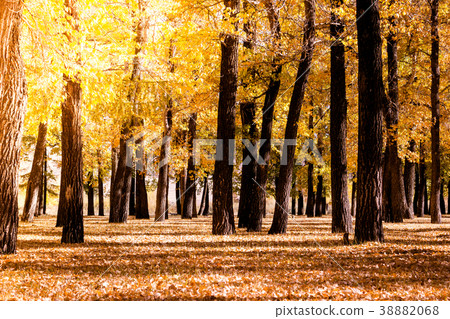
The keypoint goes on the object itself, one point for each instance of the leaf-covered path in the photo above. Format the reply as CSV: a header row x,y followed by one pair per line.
x,y
180,260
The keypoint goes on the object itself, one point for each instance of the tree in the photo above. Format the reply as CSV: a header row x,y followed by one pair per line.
x,y
370,126
90,187
142,211
70,206
13,99
258,208
34,187
283,187
310,201
223,215
409,180
341,221
435,116
101,198
188,207
395,207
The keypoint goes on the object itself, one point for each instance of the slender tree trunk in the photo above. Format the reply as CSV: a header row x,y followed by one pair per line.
x,y
188,207
341,221
142,211
223,215
448,198
132,209
178,196
435,211
283,187
426,209
167,193
409,179
40,207
248,113
194,211
416,190
370,126
394,200
13,99
422,202
258,209
441,199
300,203
202,202
91,210
34,188
182,186
206,209
101,197
293,200
161,192
354,188
44,186
310,196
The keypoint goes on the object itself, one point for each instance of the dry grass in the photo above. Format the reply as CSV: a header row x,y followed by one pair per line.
x,y
180,260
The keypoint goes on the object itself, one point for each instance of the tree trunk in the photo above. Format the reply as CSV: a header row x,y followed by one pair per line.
x,y
34,188
178,196
283,187
142,211
44,186
223,215
90,185
132,209
167,193
441,199
182,187
202,202
341,221
300,203
422,201
409,179
101,198
416,190
370,125
395,206
448,198
310,196
120,193
161,192
258,209
13,99
435,211
319,209
188,207
248,113
353,208
426,209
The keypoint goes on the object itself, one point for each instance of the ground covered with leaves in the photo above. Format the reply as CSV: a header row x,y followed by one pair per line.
x,y
180,260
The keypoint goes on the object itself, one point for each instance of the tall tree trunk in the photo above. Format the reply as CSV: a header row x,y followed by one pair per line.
x,y
441,199
40,207
182,187
283,187
394,199
370,126
13,99
90,185
300,203
101,197
258,209
167,193
311,196
248,113
120,193
188,207
34,188
178,196
223,215
409,179
426,209
202,202
142,211
435,211
353,208
416,190
421,201
161,191
293,200
341,221
320,208
44,186
448,198
132,209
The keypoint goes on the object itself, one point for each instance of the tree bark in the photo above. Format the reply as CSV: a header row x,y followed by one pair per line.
x,y
416,190
13,100
101,197
370,126
409,180
441,199
44,186
341,221
90,185
310,196
248,113
435,211
161,192
142,211
283,187
223,215
394,200
258,208
132,209
448,198
422,201
188,207
353,208
178,196
300,203
320,208
34,187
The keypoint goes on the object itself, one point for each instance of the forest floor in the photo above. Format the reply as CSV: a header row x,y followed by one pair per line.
x,y
180,260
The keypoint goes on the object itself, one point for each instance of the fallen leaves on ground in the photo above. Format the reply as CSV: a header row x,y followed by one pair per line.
x,y
180,260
